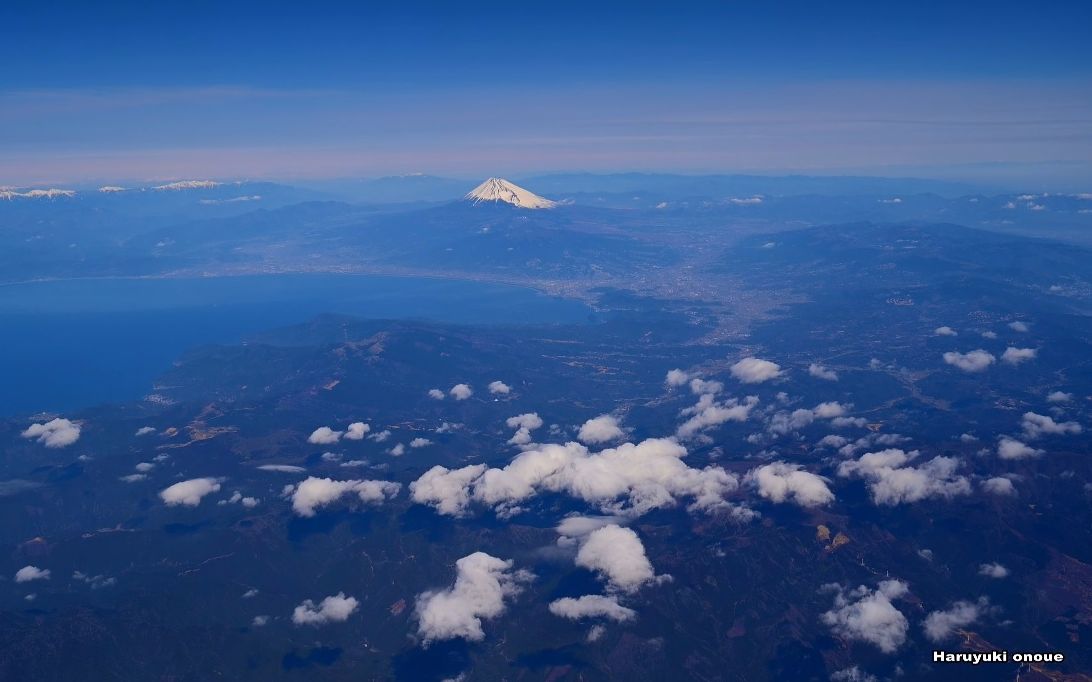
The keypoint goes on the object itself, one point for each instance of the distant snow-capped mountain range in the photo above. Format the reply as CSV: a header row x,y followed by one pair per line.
x,y
493,190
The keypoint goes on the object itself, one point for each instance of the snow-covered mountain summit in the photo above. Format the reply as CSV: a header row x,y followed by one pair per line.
x,y
498,189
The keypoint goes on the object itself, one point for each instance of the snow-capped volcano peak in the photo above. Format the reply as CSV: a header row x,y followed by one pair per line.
x,y
498,189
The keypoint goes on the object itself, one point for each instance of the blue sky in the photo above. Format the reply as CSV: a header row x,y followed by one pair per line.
x,y
165,90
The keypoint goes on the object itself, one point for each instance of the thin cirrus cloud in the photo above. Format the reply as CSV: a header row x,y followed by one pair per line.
x,y
95,133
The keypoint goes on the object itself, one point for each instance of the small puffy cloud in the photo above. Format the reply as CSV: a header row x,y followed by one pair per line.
x,y
524,425
260,621
820,372
435,394
333,609
420,443
238,498
891,479
144,431
676,378
56,433
144,467
380,436
780,482
630,479
592,606
1018,326
461,391
868,615
618,556
282,468
324,435
1036,425
708,412
320,492
356,431
945,331
755,371
482,584
499,388
28,573
1059,397
940,625
1010,448
974,361
989,335
601,429
133,478
1014,356
699,386
830,410
993,570
189,493
397,451
999,485
833,441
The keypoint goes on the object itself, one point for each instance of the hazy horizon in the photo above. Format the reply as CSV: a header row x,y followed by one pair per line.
x,y
999,96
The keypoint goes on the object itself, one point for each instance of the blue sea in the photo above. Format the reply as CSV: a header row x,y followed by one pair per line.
x,y
78,343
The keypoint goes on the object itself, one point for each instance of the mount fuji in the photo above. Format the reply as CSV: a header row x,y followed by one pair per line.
x,y
498,189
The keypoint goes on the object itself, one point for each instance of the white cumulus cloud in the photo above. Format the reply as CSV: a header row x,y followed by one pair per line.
x,y
617,555
1014,356
868,615
709,412
1010,448
891,479
482,584
320,492
189,493
524,425
356,431
755,371
974,361
592,606
324,435
499,388
781,482
333,609
55,433
1036,425
461,391
676,378
630,479
601,429
940,625
28,573
999,485
820,372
